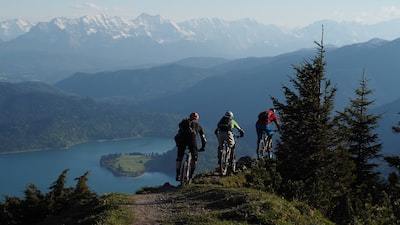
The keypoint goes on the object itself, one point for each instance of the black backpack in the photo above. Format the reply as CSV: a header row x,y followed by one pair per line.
x,y
263,116
225,124
185,127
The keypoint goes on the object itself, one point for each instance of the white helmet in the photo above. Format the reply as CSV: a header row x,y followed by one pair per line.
x,y
229,114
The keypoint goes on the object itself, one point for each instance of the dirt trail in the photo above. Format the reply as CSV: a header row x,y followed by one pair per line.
x,y
150,209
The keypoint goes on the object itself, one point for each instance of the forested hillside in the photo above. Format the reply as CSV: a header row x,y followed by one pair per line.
x,y
135,85
35,115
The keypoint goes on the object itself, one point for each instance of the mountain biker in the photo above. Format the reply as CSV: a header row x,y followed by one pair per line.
x,y
265,118
189,128
224,133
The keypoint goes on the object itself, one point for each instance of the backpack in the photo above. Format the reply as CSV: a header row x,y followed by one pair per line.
x,y
185,127
225,124
263,116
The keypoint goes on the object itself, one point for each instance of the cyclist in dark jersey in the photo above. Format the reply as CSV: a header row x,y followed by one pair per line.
x,y
189,129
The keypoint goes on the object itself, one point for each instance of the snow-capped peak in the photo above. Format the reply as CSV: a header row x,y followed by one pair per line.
x,y
159,29
11,29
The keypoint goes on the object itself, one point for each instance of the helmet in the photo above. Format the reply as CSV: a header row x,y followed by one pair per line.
x,y
194,116
229,114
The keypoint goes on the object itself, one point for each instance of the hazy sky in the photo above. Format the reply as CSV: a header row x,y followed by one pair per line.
x,y
281,12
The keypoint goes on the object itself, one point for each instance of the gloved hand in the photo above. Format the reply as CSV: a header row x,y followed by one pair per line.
x,y
202,149
241,133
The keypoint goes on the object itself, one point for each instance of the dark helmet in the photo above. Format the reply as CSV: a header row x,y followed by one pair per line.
x,y
194,116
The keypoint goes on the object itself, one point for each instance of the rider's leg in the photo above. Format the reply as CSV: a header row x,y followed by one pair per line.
x,y
181,152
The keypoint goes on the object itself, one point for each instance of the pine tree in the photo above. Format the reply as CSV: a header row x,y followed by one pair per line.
x,y
394,180
306,155
59,195
81,184
58,187
362,141
34,205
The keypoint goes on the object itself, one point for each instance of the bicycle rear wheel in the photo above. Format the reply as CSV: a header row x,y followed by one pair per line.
x,y
269,146
224,160
185,170
262,147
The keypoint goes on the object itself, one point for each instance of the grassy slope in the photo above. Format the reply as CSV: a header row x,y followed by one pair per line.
x,y
205,204
117,211
214,201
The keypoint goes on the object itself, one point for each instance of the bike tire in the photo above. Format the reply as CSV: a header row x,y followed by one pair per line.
x,y
227,160
185,170
263,146
222,163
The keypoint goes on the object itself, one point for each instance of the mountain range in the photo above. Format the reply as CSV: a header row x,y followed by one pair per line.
x,y
50,51
245,85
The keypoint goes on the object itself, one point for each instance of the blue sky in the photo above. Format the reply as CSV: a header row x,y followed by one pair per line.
x,y
281,12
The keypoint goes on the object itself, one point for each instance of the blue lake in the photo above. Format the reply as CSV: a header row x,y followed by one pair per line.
x,y
43,167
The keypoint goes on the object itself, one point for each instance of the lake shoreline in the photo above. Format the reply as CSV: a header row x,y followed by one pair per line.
x,y
71,146
42,167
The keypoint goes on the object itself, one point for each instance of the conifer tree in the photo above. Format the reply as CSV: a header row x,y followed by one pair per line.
x,y
34,207
394,180
58,187
307,160
82,193
58,196
362,141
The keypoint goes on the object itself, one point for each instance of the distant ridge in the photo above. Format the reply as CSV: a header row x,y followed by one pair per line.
x,y
51,51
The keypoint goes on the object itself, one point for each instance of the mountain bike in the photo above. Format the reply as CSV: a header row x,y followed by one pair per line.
x,y
228,159
265,146
185,168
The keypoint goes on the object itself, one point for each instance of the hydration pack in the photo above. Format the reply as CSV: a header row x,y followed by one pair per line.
x,y
263,116
225,124
185,127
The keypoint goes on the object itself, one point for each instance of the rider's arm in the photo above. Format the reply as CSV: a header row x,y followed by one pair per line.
x,y
236,125
202,136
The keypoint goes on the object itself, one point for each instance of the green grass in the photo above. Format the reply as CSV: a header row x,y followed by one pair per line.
x,y
116,210
221,205
127,165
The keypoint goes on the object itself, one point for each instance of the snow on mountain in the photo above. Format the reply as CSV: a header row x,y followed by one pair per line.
x,y
160,29
239,34
11,29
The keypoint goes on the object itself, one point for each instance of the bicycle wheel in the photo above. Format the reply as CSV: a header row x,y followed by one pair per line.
x,y
260,147
224,160
269,146
232,161
227,160
185,170
263,145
